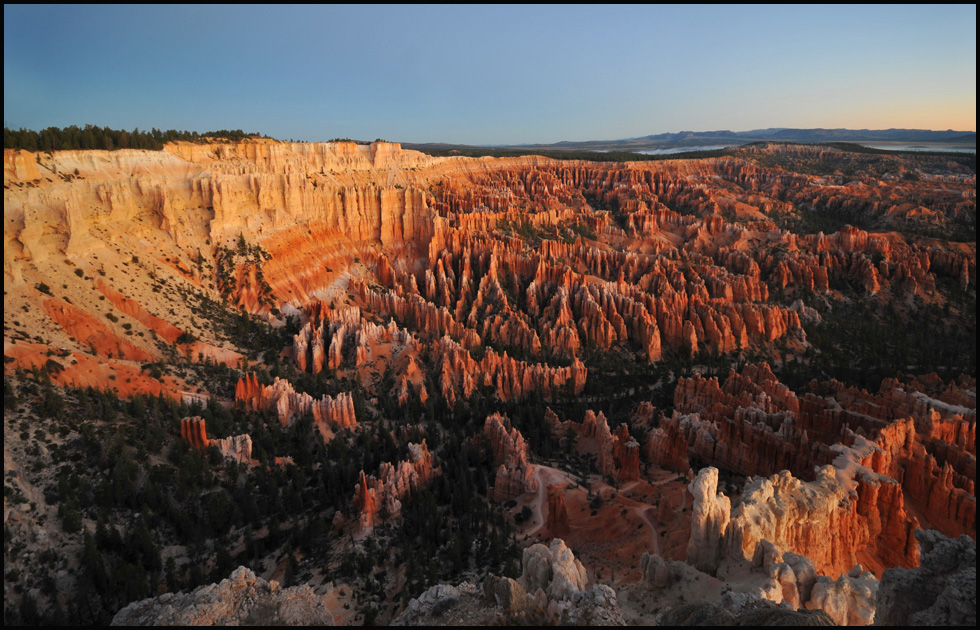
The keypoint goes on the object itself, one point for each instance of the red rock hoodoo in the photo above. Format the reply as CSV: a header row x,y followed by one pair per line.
x,y
856,457
378,498
515,475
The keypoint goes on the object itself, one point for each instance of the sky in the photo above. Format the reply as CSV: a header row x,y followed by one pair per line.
x,y
489,75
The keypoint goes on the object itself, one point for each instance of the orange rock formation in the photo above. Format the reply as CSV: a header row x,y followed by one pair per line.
x,y
556,523
379,497
507,274
441,246
238,447
343,341
461,374
618,452
515,475
862,454
328,412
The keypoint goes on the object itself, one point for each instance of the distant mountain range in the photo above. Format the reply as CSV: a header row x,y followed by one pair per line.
x,y
779,134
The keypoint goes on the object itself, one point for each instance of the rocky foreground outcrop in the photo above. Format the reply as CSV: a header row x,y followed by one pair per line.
x,y
940,592
552,589
240,600
734,611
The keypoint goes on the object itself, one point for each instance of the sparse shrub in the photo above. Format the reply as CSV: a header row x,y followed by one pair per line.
x,y
186,337
53,367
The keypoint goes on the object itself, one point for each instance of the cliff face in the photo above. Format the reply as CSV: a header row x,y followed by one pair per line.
x,y
158,234
214,192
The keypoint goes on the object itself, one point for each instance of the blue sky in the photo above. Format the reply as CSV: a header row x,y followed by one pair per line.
x,y
489,75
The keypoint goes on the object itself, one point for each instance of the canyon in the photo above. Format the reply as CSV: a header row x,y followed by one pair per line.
x,y
365,373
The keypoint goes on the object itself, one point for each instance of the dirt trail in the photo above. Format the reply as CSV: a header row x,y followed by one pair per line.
x,y
545,476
